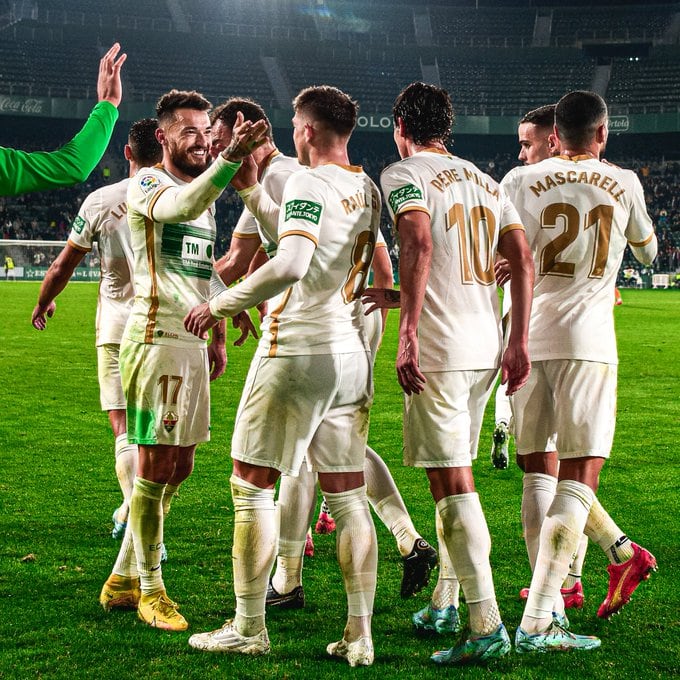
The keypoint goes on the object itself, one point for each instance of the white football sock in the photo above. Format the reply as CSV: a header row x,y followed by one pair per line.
x,y
171,492
146,523
253,552
296,504
576,566
602,529
447,590
356,548
538,491
126,562
469,544
560,536
387,502
126,469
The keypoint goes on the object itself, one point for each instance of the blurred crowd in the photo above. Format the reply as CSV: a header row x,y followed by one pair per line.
x,y
48,215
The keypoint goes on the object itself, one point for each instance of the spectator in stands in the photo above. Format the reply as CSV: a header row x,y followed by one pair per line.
x,y
22,172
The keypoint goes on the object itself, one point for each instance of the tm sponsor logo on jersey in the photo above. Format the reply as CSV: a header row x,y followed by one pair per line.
x,y
78,225
303,210
197,249
399,196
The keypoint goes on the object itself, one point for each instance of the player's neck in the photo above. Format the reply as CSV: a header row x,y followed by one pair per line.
x,y
335,154
433,145
592,150
176,172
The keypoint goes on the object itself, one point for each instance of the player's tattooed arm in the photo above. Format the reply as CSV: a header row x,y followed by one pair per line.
x,y
380,298
245,138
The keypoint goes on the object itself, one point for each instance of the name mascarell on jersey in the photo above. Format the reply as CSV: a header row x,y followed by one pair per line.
x,y
555,179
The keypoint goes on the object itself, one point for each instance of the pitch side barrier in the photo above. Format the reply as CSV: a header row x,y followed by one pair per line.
x,y
506,124
29,260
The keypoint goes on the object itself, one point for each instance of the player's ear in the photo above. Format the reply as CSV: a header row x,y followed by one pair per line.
x,y
160,135
601,133
127,152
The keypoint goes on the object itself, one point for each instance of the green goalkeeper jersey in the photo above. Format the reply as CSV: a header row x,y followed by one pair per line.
x,y
22,172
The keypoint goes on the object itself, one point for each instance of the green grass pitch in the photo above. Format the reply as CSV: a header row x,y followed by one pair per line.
x,y
58,490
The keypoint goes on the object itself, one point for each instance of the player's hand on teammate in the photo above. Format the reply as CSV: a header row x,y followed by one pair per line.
x,y
109,87
380,298
515,367
410,378
39,313
199,321
245,324
246,176
501,270
246,136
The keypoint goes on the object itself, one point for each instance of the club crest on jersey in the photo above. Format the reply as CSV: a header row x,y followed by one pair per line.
x,y
78,225
406,193
148,183
169,421
303,210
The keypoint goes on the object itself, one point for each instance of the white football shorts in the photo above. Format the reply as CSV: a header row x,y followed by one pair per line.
x,y
315,404
442,423
168,393
567,405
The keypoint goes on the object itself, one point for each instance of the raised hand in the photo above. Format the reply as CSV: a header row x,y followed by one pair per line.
x,y
109,87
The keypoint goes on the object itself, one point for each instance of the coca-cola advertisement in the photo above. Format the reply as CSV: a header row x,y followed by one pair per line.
x,y
30,106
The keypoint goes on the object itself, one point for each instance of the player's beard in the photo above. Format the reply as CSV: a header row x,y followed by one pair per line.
x,y
188,164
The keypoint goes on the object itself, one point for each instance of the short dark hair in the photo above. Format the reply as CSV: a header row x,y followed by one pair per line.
x,y
543,116
426,111
145,148
179,99
578,115
330,106
250,109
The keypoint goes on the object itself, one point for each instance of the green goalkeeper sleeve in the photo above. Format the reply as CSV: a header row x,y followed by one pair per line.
x,y
22,172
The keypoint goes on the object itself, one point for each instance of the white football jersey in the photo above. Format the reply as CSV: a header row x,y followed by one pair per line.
x,y
338,208
579,213
173,263
274,177
103,218
459,326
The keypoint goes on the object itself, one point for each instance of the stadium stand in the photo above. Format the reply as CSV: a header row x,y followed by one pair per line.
x,y
497,60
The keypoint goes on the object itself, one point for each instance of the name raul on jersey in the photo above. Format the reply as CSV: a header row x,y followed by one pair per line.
x,y
604,182
358,200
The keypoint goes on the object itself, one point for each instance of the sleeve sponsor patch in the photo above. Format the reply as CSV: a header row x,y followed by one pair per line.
x,y
303,210
399,196
78,225
148,183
